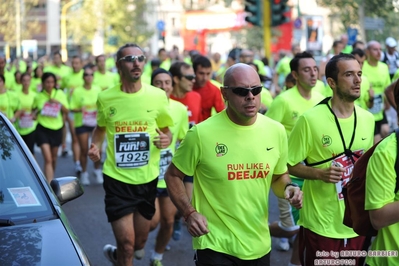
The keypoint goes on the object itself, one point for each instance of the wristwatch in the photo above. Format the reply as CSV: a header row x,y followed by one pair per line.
x,y
290,184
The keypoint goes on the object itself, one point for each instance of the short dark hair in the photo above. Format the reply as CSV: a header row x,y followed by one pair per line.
x,y
294,63
358,52
332,65
356,43
336,42
175,69
202,61
47,75
119,52
35,71
98,57
25,74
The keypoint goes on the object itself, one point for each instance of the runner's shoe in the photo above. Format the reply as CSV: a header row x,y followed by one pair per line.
x,y
110,253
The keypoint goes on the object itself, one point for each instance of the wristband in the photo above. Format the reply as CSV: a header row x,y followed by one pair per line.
x,y
290,184
188,215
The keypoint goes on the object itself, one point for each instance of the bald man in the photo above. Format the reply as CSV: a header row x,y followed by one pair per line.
x,y
234,171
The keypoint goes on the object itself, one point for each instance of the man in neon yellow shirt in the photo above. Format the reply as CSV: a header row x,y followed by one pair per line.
x,y
58,68
329,138
165,209
366,99
135,119
286,109
102,77
228,215
381,199
377,73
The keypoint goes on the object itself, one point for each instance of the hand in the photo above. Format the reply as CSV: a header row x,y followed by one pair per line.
x,y
294,196
197,225
371,93
94,153
161,141
332,174
54,101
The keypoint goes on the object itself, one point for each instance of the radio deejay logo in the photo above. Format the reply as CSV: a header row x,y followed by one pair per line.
x,y
244,171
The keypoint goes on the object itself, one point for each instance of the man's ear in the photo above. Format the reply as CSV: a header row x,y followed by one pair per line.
x,y
224,94
176,80
331,83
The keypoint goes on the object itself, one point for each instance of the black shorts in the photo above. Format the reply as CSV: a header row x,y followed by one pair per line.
x,y
83,129
378,124
208,257
49,136
188,179
29,140
162,192
122,199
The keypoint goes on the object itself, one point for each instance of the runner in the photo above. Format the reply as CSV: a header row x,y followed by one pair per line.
x,y
84,108
329,138
135,119
25,124
165,210
50,106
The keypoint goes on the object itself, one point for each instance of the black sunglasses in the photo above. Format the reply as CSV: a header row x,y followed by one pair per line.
x,y
189,77
133,58
244,91
87,74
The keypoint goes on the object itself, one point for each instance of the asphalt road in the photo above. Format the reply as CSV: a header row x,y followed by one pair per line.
x,y
88,219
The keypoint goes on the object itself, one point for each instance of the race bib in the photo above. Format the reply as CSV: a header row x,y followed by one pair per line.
x,y
132,150
25,120
89,118
166,159
51,109
346,163
378,104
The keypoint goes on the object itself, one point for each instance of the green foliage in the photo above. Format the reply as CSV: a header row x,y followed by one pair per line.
x,y
122,21
347,13
8,20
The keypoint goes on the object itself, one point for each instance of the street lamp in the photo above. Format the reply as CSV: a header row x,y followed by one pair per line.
x,y
64,52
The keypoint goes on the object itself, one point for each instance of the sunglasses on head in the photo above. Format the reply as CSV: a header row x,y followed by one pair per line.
x,y
241,91
87,74
189,77
132,58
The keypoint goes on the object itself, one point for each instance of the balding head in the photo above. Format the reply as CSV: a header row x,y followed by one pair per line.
x,y
235,73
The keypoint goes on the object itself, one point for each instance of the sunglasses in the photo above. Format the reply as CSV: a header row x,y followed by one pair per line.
x,y
244,91
133,58
87,74
189,77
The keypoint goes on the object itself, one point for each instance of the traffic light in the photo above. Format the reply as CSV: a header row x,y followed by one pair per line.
x,y
254,10
278,10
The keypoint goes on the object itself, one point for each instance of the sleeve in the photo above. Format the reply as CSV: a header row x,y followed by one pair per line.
x,y
100,113
281,166
164,118
299,142
276,110
380,185
219,103
63,99
187,156
183,128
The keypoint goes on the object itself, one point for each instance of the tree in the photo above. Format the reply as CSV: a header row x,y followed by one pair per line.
x,y
119,21
348,12
9,20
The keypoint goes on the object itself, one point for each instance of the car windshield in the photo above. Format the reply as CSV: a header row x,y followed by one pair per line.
x,y
22,199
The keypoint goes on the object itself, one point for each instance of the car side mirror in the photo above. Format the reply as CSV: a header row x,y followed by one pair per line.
x,y
67,188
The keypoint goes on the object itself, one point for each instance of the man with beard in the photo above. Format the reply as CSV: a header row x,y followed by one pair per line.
x,y
135,119
329,138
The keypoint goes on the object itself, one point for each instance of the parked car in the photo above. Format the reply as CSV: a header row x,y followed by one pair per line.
x,y
33,227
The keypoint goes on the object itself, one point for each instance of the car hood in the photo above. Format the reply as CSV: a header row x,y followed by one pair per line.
x,y
43,243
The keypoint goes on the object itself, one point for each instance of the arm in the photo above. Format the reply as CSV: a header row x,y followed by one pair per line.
x,y
332,174
96,142
196,223
389,93
282,189
385,216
